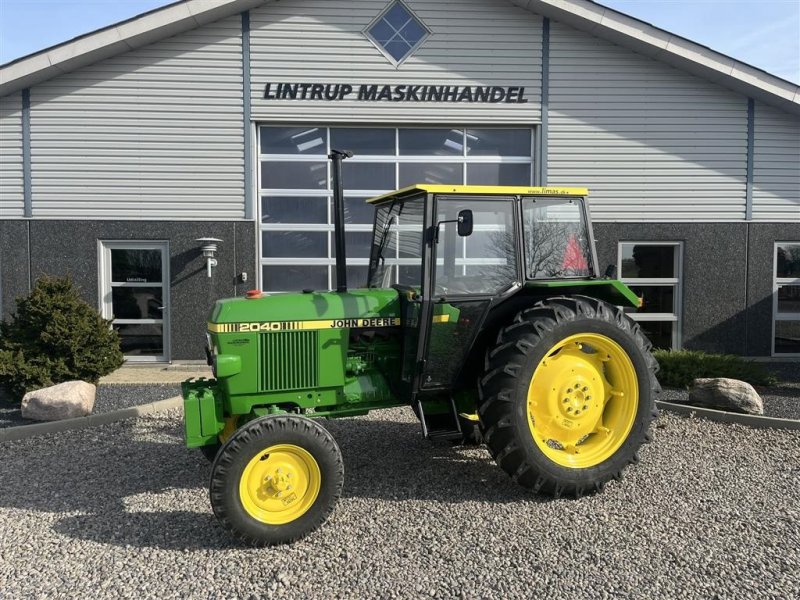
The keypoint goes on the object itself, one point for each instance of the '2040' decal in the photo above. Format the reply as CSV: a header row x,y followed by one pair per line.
x,y
265,326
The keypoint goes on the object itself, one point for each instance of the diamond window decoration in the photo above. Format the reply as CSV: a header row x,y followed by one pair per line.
x,y
397,32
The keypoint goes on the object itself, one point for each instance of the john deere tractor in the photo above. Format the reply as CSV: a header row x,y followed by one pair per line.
x,y
483,311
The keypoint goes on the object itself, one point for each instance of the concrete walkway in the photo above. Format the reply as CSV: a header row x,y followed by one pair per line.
x,y
156,374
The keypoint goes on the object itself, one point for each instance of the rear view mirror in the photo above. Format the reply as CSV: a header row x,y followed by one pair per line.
x,y
465,222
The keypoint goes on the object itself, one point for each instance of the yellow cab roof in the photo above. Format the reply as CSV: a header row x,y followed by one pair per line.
x,y
482,190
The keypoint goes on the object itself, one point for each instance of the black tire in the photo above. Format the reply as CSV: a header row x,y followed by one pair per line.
x,y
246,443
509,368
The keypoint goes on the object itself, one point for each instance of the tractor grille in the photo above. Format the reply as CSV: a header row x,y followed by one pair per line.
x,y
289,361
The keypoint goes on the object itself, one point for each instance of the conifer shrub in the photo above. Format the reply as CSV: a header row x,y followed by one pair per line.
x,y
55,336
678,368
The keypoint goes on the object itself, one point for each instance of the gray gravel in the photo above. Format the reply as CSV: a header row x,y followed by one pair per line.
x,y
781,401
122,511
109,397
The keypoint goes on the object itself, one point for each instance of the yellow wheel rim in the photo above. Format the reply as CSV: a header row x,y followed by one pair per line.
x,y
582,400
280,484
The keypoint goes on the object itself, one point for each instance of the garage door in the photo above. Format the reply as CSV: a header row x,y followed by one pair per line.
x,y
296,245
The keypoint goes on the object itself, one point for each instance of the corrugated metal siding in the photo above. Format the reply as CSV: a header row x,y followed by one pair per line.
x,y
651,143
11,199
155,133
473,42
776,165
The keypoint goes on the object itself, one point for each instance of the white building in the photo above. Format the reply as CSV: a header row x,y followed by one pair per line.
x,y
213,118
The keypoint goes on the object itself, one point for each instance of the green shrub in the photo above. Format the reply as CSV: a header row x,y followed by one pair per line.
x,y
54,337
679,368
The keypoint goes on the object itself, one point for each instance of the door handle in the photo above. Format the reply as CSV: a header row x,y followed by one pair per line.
x,y
160,308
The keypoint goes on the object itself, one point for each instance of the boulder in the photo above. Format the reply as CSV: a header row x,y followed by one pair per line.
x,y
63,401
726,394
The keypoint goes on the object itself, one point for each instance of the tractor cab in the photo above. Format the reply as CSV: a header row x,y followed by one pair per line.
x,y
455,254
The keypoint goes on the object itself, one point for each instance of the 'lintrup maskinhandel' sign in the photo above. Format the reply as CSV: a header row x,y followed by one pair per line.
x,y
394,93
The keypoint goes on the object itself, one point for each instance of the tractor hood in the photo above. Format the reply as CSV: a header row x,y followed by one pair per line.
x,y
313,310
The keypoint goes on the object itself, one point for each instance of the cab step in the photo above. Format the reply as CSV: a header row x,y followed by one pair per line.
x,y
442,427
444,435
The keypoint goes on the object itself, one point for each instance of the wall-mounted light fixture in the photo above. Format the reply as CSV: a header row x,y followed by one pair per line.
x,y
209,249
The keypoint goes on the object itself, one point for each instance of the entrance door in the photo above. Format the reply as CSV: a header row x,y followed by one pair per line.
x,y
134,294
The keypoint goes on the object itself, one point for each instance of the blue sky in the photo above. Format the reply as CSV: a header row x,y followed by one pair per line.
x,y
764,33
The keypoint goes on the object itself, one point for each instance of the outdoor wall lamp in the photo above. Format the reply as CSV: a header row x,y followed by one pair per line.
x,y
209,249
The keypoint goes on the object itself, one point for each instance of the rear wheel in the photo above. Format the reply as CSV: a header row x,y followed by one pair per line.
x,y
276,479
568,395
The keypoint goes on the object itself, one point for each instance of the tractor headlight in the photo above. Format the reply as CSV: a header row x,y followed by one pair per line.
x,y
226,365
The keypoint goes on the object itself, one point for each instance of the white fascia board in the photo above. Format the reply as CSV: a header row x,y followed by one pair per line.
x,y
175,15
651,41
128,35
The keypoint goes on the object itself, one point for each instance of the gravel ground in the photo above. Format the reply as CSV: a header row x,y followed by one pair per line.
x,y
109,397
122,511
782,402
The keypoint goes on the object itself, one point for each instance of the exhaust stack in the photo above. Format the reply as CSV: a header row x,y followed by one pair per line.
x,y
336,157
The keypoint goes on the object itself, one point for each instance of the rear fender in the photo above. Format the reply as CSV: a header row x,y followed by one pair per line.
x,y
501,315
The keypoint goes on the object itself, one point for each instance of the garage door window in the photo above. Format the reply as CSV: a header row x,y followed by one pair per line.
x,y
295,189
653,271
786,299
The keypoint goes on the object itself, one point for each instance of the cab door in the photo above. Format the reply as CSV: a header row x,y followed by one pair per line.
x,y
468,274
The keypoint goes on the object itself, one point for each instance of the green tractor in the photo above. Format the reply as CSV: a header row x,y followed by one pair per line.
x,y
483,311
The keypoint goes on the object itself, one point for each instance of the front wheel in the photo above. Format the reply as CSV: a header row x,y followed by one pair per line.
x,y
276,479
568,395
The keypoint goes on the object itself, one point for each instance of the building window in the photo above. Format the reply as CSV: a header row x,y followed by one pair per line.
x,y
295,189
653,271
786,299
397,32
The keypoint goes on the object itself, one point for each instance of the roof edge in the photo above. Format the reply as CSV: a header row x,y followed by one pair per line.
x,y
124,36
586,15
680,52
487,190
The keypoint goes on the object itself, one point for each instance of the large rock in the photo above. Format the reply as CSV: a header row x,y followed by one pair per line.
x,y
726,394
63,401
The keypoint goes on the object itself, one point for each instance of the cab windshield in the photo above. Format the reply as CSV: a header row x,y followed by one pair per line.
x,y
556,238
396,256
